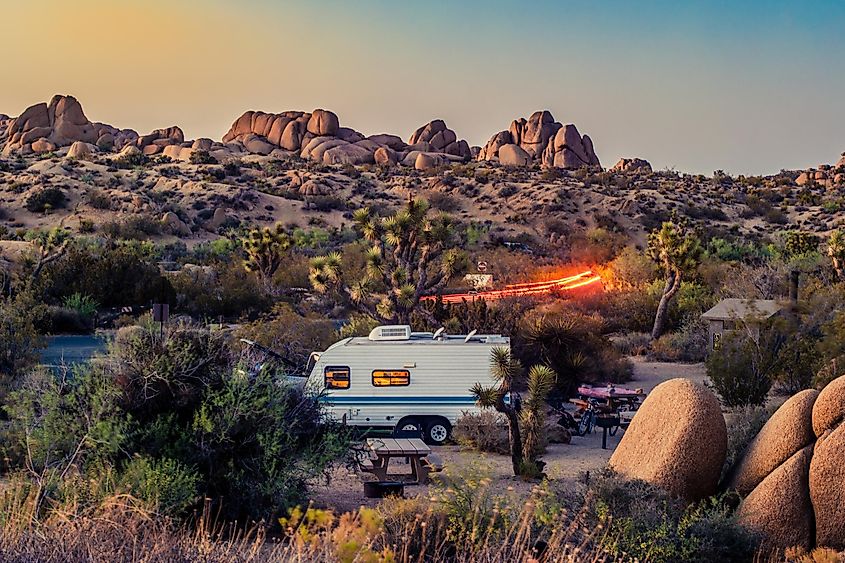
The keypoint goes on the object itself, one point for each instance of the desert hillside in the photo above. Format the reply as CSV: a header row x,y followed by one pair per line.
x,y
538,183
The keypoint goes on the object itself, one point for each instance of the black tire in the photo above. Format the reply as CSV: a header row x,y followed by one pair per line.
x,y
410,424
437,431
585,424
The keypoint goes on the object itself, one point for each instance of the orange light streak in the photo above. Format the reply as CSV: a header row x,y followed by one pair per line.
x,y
523,289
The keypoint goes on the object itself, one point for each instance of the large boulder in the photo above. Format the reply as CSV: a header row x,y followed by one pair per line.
x,y
385,156
676,441
426,161
323,122
827,488
779,508
80,151
829,408
42,145
348,154
788,431
513,155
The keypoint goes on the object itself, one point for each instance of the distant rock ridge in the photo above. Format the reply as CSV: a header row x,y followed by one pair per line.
x,y
317,136
542,139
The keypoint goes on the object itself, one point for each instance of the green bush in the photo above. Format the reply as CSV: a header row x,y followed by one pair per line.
x,y
85,305
645,523
173,420
109,274
164,484
45,199
741,369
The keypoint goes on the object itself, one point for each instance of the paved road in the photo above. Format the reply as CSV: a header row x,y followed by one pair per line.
x,y
71,349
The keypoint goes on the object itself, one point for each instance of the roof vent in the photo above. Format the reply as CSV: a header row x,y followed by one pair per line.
x,y
390,332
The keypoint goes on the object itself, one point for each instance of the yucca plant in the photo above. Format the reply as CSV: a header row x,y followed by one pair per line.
x,y
525,418
265,251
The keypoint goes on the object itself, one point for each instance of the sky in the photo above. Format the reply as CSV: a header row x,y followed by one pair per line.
x,y
747,86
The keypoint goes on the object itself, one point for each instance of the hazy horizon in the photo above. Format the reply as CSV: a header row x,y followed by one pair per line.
x,y
747,87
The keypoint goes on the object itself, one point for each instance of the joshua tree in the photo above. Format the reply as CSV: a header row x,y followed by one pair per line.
x,y
411,255
265,250
49,247
677,250
531,413
836,252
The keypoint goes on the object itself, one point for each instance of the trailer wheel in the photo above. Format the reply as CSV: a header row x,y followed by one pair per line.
x,y
437,431
409,424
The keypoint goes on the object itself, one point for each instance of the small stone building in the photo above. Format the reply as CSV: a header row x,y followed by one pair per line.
x,y
730,315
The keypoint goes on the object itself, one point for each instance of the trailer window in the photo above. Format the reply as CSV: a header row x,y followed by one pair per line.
x,y
337,377
391,378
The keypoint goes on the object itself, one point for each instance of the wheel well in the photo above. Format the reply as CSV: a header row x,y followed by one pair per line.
x,y
429,420
418,420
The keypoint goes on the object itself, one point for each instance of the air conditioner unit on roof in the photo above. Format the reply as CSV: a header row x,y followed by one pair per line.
x,y
390,332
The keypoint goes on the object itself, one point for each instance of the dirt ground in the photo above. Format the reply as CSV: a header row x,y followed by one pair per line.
x,y
344,491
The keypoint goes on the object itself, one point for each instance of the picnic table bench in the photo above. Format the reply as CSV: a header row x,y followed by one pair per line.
x,y
377,453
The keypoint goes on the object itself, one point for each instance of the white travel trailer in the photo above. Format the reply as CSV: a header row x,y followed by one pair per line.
x,y
398,379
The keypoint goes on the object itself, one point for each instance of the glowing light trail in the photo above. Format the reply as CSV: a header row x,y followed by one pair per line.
x,y
523,289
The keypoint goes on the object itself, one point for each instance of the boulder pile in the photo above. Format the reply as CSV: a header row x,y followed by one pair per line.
x,y
631,165
318,136
794,475
542,139
46,127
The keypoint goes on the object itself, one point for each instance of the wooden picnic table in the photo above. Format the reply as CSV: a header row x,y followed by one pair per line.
x,y
379,452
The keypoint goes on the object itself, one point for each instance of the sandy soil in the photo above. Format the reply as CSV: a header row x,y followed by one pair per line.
x,y
564,461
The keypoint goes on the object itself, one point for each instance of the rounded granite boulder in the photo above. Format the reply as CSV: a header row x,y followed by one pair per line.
x,y
829,410
827,488
779,508
677,441
788,431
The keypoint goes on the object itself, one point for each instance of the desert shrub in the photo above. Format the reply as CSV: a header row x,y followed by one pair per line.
x,y
165,484
45,199
689,344
173,420
222,289
85,305
99,199
112,274
20,340
62,320
571,344
485,432
632,343
358,325
287,332
202,157
443,202
137,227
645,523
741,368
798,361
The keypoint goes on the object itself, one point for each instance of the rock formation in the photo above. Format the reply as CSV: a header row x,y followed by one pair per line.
x,y
794,475
318,136
777,508
786,433
630,165
60,123
544,140
677,441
